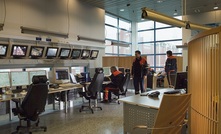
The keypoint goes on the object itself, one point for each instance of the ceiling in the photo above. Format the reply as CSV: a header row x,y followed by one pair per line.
x,y
132,8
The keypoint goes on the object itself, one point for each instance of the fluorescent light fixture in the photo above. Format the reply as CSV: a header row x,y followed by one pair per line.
x,y
216,7
90,39
121,10
119,44
27,30
1,26
153,15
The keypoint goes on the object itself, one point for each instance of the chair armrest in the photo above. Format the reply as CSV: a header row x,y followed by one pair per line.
x,y
17,101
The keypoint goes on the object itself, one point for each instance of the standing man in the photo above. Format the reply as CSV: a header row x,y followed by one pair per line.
x,y
139,71
171,68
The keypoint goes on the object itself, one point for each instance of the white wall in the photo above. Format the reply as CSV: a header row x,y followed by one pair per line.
x,y
203,18
52,15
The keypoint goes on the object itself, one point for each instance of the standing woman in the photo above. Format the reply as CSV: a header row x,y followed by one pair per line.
x,y
171,68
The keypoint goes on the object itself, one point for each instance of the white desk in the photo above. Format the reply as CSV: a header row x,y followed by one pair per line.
x,y
140,110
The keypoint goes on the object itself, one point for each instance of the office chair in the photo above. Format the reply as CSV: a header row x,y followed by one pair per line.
x,y
32,105
92,91
122,89
171,115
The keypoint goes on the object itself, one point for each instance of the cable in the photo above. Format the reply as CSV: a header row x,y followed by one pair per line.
x,y
5,12
68,15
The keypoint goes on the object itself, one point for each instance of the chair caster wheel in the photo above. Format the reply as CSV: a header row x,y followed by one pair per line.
x,y
101,108
80,110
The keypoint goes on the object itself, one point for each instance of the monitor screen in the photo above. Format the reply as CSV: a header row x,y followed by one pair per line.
x,y
76,53
19,50
3,49
36,51
85,53
19,78
107,71
33,73
51,52
94,54
121,69
181,80
4,79
64,53
62,74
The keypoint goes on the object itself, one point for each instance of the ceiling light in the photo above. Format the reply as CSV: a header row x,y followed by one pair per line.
x,y
121,10
216,7
175,13
90,39
160,1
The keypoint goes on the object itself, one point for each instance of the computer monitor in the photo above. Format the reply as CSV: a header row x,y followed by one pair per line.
x,y
3,50
34,73
59,75
181,80
85,54
73,78
121,69
4,79
64,53
76,53
94,54
51,52
19,51
19,78
36,51
106,71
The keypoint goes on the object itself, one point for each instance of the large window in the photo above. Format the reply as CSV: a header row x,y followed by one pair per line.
x,y
155,38
117,30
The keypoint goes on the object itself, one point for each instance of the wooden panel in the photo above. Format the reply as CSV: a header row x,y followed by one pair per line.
x,y
109,61
204,82
179,63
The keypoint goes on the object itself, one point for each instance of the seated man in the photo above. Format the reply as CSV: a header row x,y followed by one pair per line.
x,y
116,78
160,78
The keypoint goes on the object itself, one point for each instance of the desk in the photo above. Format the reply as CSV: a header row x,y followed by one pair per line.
x,y
140,110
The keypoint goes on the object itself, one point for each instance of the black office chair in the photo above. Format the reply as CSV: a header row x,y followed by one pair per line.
x,y
32,105
122,90
92,91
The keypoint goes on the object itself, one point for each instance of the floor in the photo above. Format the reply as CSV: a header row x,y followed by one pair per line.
x,y
107,121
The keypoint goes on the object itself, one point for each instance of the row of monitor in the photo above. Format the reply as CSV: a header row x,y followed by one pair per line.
x,y
19,78
18,51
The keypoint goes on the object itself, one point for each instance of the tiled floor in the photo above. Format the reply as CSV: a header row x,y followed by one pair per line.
x,y
107,121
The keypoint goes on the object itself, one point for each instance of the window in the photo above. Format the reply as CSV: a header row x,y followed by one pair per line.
x,y
146,48
145,25
168,34
77,70
117,30
146,36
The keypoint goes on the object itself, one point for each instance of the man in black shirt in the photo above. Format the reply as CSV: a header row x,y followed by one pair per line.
x,y
139,71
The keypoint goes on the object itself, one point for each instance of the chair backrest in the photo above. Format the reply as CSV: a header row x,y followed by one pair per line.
x,y
97,81
124,85
35,99
171,113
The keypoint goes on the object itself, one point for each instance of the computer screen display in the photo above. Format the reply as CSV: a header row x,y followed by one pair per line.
x,y
121,69
19,50
36,51
33,73
3,49
85,53
64,53
51,52
19,78
181,80
94,54
107,71
62,74
4,79
76,53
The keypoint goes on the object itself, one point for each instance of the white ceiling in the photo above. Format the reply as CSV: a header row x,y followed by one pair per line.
x,y
132,8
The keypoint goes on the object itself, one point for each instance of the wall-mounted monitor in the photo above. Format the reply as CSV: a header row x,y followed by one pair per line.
x,y
36,51
59,75
51,52
85,54
33,73
76,53
64,53
19,50
19,78
94,54
4,79
3,50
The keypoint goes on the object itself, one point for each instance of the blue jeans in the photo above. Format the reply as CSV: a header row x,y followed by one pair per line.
x,y
138,84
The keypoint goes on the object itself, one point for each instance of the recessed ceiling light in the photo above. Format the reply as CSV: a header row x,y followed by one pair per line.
x,y
121,10
216,7
175,13
142,19
160,1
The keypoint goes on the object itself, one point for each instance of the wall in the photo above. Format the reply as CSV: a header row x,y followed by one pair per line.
x,y
201,18
63,16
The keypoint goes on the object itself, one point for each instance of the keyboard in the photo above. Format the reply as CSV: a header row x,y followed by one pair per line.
x,y
172,92
67,85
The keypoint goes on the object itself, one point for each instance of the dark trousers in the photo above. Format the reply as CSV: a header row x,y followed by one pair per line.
x,y
138,84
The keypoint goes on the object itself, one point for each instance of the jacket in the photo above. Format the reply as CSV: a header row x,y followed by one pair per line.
x,y
139,67
117,78
171,64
